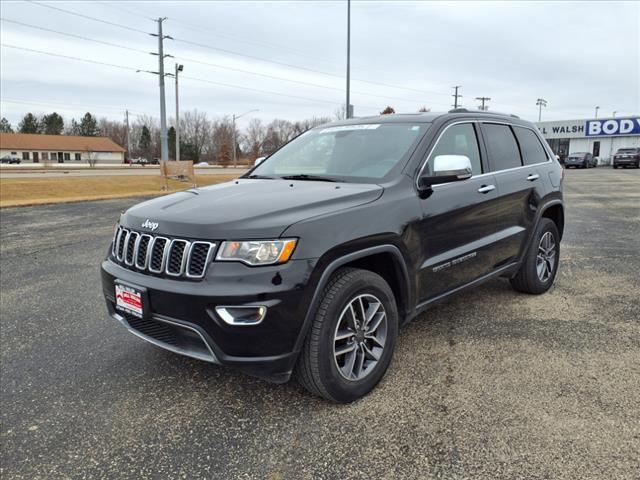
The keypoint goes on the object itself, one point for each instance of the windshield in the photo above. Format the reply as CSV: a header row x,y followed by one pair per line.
x,y
353,153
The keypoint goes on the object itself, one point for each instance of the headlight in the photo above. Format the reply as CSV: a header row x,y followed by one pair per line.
x,y
257,252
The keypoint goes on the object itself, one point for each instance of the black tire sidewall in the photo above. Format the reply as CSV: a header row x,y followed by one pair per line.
x,y
339,388
546,225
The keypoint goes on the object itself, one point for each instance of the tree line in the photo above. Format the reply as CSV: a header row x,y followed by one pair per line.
x,y
201,138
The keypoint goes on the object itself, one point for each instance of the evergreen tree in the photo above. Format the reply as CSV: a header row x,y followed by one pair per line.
x,y
171,134
88,126
52,124
145,140
29,124
5,126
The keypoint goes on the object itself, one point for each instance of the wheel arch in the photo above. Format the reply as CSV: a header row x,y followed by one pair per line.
x,y
385,260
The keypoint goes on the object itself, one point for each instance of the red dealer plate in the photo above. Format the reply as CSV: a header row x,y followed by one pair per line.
x,y
129,299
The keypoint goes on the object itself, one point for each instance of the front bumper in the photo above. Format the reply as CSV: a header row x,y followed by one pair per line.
x,y
181,314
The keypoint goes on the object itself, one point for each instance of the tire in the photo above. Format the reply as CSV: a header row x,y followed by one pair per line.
x,y
615,166
318,368
528,278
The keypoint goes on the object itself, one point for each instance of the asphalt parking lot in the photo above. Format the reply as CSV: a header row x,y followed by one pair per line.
x,y
491,384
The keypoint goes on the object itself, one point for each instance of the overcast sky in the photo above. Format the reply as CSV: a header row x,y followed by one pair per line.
x,y
576,55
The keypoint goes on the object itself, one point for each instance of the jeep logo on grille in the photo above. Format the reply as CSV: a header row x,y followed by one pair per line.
x,y
149,224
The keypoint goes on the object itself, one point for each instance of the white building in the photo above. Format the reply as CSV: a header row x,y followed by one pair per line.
x,y
601,137
59,148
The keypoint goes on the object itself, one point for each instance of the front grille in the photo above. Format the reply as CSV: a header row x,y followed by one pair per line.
x,y
160,255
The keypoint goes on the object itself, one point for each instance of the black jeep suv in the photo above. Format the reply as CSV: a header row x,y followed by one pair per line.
x,y
310,262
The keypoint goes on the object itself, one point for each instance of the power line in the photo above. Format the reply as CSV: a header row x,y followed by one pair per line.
x,y
69,57
224,67
106,22
63,106
228,85
74,36
123,9
231,52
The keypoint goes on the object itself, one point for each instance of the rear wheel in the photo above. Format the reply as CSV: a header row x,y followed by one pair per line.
x,y
351,340
540,265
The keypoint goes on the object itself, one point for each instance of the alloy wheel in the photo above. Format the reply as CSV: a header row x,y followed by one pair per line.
x,y
546,257
360,337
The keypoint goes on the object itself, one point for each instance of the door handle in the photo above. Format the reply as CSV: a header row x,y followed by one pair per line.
x,y
486,188
533,176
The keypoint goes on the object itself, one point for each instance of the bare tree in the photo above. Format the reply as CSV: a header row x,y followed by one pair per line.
x,y
255,137
220,146
92,157
116,131
195,131
388,111
340,113
279,132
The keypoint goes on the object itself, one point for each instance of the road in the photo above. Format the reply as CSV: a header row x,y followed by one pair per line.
x,y
491,384
113,172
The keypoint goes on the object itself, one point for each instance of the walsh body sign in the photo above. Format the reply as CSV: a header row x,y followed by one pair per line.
x,y
612,126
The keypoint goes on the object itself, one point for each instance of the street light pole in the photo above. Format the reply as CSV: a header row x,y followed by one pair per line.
x,y
233,134
179,68
541,102
348,105
597,108
614,113
164,144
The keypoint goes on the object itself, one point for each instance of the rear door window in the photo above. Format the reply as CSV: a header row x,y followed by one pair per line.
x,y
503,148
532,150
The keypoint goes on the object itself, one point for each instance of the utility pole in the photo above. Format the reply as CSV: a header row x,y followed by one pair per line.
x,y
483,100
541,102
179,68
597,108
456,96
128,138
233,134
348,105
164,143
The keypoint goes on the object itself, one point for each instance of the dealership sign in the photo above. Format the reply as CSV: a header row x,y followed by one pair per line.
x,y
605,127
613,126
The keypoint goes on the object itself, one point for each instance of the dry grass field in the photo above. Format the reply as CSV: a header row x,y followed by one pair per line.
x,y
36,191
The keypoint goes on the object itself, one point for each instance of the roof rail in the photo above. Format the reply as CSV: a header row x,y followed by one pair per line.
x,y
466,110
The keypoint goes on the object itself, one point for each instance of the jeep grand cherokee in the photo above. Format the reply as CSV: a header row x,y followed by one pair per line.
x,y
309,263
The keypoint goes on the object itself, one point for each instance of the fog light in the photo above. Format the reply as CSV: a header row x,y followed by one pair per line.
x,y
242,315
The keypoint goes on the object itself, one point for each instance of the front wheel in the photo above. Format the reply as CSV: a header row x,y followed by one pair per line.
x,y
540,264
351,340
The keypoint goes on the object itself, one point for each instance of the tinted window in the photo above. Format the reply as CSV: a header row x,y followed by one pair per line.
x,y
530,147
502,146
458,140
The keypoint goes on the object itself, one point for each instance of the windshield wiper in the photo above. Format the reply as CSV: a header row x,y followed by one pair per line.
x,y
260,177
304,176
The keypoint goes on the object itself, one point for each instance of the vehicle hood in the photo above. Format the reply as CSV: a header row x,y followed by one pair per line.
x,y
245,208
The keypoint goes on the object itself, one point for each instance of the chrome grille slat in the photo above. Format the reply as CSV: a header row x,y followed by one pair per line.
x,y
173,257
143,251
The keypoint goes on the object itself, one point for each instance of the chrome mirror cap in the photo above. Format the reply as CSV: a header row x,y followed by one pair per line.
x,y
452,166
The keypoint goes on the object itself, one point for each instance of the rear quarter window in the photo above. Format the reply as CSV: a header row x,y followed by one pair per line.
x,y
532,150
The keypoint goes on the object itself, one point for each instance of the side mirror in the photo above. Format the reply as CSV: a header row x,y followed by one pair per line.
x,y
258,161
447,168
